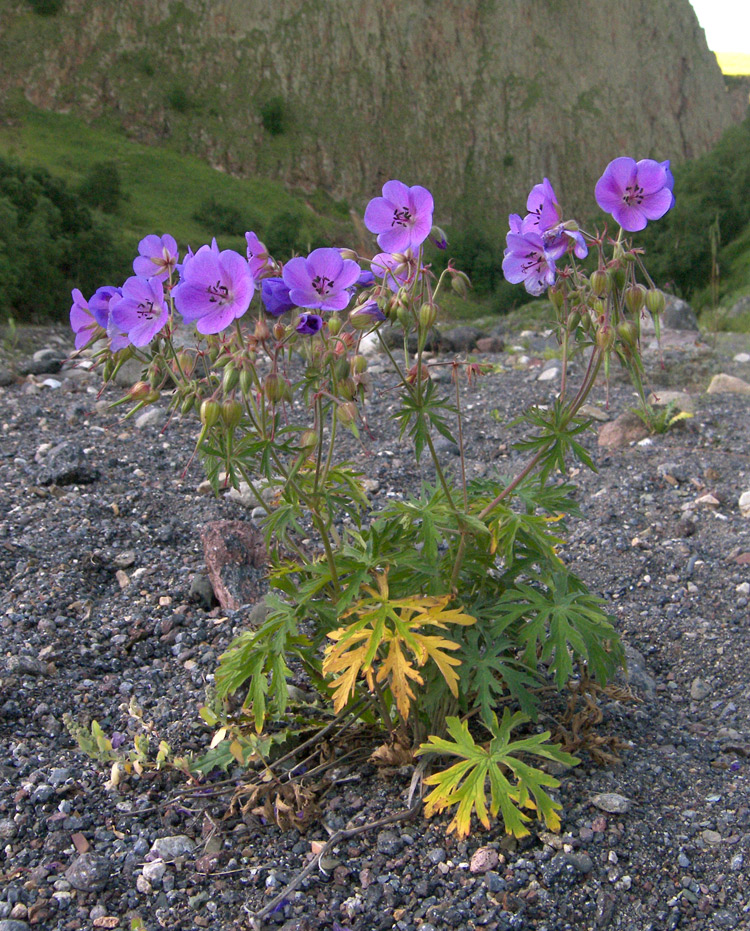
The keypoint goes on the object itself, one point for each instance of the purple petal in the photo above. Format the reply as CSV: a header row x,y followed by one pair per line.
x,y
396,192
651,176
378,215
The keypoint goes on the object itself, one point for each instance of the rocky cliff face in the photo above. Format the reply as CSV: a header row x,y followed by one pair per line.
x,y
476,100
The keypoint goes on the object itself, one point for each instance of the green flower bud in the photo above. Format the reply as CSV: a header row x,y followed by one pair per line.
x,y
556,297
359,365
210,413
599,282
279,331
262,332
404,317
616,277
187,405
655,302
628,333
186,362
573,320
308,439
231,379
246,381
274,386
139,391
427,316
231,413
347,412
635,295
605,338
347,388
334,325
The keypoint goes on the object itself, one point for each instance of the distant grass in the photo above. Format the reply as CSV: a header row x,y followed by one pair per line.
x,y
162,190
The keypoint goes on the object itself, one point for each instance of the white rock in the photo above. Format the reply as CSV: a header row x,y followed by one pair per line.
x,y
745,504
154,871
51,383
152,417
612,802
549,374
742,357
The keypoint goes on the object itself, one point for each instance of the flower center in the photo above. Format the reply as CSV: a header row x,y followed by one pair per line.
x,y
146,309
401,217
633,195
218,293
322,285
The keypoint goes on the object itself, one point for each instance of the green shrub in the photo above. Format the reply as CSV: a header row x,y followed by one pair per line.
x,y
102,187
46,7
223,218
274,116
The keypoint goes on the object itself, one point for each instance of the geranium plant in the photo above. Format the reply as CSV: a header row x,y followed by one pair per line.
x,y
439,606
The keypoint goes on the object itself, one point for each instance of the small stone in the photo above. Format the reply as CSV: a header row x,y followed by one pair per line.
x,y
711,837
89,873
11,924
707,501
549,374
170,848
153,417
741,357
389,843
143,885
612,803
736,863
680,399
154,871
728,384
23,665
699,689
627,428
744,504
483,859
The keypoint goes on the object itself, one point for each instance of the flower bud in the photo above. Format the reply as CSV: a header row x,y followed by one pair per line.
x,y
599,282
359,365
261,331
246,381
187,405
616,276
231,378
655,302
139,391
186,362
460,283
347,388
573,320
279,331
628,333
404,317
308,439
597,307
231,413
427,316
334,325
605,338
274,387
210,412
556,297
347,412
349,254
152,396
634,298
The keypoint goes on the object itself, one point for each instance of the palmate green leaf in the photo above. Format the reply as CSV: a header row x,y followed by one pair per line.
x,y
463,784
563,621
415,413
556,439
489,671
258,658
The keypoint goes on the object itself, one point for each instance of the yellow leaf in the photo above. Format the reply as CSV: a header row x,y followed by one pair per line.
x,y
397,667
218,737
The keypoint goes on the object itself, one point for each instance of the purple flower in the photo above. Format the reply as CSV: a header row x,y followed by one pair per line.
x,y
320,281
366,278
257,255
559,239
85,320
275,296
309,324
527,261
102,302
397,271
402,217
635,192
543,210
141,311
158,257
215,289
366,316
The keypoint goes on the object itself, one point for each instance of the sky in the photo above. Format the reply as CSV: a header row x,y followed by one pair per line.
x,y
726,22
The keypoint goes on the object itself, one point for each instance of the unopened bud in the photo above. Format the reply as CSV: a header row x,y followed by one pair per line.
x,y
347,388
556,297
274,387
246,381
635,295
139,391
334,325
231,379
605,338
231,413
404,317
347,412
628,333
210,413
261,331
279,331
348,254
460,283
308,439
616,275
359,365
573,320
655,302
186,362
599,282
187,405
427,316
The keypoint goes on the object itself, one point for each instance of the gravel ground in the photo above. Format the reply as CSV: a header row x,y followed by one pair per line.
x,y
101,563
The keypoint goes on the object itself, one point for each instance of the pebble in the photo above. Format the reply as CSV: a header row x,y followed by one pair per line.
x,y
612,803
711,837
170,848
484,859
728,384
744,504
699,689
154,871
153,417
89,872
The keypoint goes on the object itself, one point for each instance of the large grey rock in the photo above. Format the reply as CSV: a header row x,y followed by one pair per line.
x,y
89,873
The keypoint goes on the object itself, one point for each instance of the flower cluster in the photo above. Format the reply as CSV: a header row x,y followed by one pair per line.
x,y
212,288
633,192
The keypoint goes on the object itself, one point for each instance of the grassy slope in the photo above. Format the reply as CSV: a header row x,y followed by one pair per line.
x,y
162,188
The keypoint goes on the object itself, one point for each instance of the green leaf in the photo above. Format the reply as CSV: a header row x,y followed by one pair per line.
x,y
463,785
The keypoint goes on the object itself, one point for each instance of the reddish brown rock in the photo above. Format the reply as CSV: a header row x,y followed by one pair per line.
x,y
235,560
627,428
